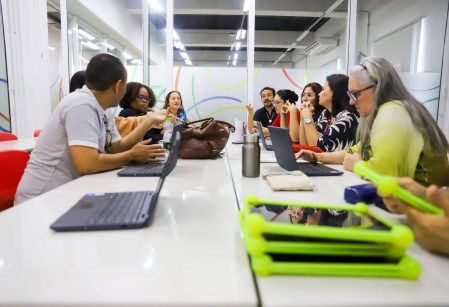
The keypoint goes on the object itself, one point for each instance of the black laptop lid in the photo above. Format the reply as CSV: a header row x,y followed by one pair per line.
x,y
283,150
173,156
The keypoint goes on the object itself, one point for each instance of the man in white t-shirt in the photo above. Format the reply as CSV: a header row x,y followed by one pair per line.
x,y
81,137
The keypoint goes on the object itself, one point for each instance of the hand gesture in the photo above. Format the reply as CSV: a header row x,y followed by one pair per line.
x,y
249,108
142,152
157,117
349,160
306,109
286,107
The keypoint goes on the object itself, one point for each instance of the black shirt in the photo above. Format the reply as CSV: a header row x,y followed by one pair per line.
x,y
264,117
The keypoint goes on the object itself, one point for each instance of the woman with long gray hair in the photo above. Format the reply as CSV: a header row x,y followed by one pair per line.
x,y
397,136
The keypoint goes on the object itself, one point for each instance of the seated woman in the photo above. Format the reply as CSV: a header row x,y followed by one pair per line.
x,y
285,105
311,96
137,101
173,102
336,126
397,136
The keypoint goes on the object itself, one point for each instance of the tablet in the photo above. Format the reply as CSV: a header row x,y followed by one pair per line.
x,y
388,186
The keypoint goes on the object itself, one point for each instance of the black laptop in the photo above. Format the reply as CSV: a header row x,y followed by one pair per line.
x,y
156,169
285,156
106,211
266,143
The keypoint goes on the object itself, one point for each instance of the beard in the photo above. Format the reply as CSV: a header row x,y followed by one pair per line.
x,y
267,103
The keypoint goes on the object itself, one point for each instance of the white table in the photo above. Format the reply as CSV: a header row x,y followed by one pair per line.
x,y
431,289
191,254
21,144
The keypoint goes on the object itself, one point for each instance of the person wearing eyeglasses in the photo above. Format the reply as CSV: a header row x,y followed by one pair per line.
x,y
81,137
137,101
285,105
336,127
397,136
173,103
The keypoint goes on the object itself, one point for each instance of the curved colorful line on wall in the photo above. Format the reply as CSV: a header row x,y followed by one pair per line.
x,y
239,84
430,100
4,117
3,80
193,97
54,82
5,130
212,114
290,79
424,90
177,78
214,98
161,93
60,90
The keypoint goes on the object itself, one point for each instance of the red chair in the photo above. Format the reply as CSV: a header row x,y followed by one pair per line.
x,y
6,136
12,166
37,133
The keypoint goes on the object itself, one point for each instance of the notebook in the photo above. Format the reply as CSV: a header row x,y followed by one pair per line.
x,y
285,156
156,169
265,143
110,211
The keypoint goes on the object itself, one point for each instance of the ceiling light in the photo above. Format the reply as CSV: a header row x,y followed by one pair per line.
x,y
86,35
51,48
184,55
246,6
181,47
239,32
237,46
232,46
234,62
175,36
91,45
229,57
155,5
243,34
236,56
127,55
188,62
109,46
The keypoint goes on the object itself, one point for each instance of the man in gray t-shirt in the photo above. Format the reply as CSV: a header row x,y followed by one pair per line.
x,y
81,137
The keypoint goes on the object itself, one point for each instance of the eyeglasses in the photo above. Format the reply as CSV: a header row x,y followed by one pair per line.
x,y
310,95
354,95
141,97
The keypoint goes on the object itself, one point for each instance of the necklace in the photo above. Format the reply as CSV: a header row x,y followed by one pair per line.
x,y
269,116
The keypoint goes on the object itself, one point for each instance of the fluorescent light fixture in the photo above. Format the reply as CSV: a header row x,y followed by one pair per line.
x,y
177,44
136,62
91,45
243,34
246,7
109,46
237,46
181,47
176,36
188,62
227,63
184,55
51,48
232,46
234,62
127,55
86,35
155,5
229,57
239,32
236,55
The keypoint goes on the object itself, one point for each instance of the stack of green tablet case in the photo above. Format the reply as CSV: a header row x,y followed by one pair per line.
x,y
375,247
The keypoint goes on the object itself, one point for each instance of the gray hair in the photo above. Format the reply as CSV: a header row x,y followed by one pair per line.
x,y
389,87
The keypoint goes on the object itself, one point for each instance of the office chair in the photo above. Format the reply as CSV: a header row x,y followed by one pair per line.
x,y
12,166
7,136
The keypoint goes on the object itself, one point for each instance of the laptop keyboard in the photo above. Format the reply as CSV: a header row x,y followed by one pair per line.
x,y
121,208
311,169
153,168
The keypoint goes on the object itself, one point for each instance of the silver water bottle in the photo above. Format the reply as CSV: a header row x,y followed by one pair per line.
x,y
251,156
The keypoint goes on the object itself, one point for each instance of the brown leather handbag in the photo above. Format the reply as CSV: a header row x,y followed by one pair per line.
x,y
206,141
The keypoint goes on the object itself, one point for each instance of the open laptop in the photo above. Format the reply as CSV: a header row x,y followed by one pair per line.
x,y
285,156
267,144
156,169
105,211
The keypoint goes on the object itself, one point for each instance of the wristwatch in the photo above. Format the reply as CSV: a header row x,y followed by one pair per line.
x,y
308,120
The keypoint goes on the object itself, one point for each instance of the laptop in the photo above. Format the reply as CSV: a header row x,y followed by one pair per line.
x,y
267,144
156,169
285,156
106,211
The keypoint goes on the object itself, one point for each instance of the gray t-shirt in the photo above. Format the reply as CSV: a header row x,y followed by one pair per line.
x,y
77,120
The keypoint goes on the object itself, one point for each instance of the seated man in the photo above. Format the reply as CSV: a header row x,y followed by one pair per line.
x,y
265,115
82,138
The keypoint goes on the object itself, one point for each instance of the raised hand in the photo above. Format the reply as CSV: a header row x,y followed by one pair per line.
x,y
143,152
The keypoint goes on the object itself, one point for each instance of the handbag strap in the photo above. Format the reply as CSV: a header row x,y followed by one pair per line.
x,y
200,120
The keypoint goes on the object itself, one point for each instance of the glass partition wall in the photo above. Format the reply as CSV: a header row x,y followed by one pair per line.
x,y
5,117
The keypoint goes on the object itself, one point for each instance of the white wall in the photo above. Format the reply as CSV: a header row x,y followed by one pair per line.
x,y
5,122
